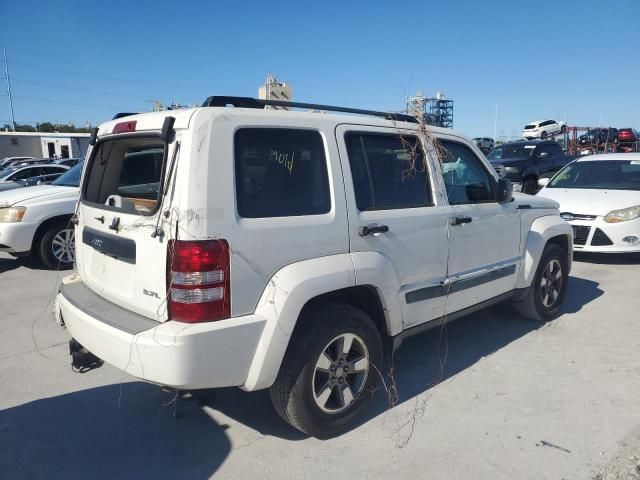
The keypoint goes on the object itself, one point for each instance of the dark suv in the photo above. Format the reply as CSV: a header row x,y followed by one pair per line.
x,y
525,162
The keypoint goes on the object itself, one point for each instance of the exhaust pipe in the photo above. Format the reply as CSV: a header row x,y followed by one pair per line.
x,y
82,360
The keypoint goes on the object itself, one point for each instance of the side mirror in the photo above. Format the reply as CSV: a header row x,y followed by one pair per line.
x,y
543,155
543,182
504,191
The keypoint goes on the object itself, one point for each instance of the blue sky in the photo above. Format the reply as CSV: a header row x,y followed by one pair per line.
x,y
82,61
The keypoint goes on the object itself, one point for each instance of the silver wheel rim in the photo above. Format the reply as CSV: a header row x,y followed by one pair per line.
x,y
551,283
340,374
63,246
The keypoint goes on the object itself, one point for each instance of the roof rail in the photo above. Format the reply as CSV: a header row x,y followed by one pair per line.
x,y
248,102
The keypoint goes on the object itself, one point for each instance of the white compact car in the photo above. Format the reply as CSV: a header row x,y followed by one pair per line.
x,y
599,196
36,220
289,250
543,129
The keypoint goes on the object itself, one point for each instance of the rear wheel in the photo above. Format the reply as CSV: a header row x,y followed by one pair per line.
x,y
546,294
563,128
329,370
530,185
56,249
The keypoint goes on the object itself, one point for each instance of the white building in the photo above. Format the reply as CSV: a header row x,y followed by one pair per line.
x,y
41,144
273,89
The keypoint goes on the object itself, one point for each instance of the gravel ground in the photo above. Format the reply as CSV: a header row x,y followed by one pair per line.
x,y
514,400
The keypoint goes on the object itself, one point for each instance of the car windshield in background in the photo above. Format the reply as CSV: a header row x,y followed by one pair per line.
x,y
511,151
70,178
600,175
8,171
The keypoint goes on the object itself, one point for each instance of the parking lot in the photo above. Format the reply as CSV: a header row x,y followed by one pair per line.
x,y
515,400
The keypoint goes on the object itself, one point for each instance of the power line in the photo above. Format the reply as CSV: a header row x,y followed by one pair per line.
x,y
67,103
100,92
114,79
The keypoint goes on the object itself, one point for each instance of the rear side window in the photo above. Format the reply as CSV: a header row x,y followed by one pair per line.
x,y
280,172
388,171
124,175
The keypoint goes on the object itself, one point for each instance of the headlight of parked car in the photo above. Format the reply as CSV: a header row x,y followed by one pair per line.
x,y
12,214
512,169
623,215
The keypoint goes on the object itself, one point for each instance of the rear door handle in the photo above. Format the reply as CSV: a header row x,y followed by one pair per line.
x,y
371,229
460,220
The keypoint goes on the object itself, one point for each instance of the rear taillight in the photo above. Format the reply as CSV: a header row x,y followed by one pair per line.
x,y
198,280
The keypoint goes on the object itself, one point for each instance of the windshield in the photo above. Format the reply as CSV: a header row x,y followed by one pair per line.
x,y
70,178
603,174
8,171
512,151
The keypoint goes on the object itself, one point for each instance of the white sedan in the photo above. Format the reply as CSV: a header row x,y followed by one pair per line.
x,y
599,195
37,220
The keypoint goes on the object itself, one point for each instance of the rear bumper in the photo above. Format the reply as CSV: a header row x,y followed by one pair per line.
x,y
179,355
17,237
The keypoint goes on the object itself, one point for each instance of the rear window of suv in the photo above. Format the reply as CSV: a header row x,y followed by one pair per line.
x,y
280,172
124,175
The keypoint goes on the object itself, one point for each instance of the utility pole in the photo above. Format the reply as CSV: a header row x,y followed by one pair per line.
x,y
6,73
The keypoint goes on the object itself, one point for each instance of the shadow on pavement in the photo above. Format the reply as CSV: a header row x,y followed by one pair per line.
x,y
9,263
417,364
607,259
85,435
581,291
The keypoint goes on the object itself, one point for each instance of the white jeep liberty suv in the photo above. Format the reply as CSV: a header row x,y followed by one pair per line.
x,y
236,245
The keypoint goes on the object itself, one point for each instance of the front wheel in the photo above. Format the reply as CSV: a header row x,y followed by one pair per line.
x,y
329,371
56,249
548,289
544,135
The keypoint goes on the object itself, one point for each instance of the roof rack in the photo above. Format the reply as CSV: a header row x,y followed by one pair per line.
x,y
123,114
248,102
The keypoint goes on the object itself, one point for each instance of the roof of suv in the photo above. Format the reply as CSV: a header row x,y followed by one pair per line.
x,y
154,120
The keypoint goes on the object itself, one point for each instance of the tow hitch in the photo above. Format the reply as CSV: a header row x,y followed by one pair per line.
x,y
82,360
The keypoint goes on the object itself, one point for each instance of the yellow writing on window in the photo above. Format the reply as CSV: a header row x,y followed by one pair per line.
x,y
283,159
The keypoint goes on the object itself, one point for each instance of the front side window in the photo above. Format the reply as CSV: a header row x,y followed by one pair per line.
x,y
26,173
465,178
388,171
124,175
281,172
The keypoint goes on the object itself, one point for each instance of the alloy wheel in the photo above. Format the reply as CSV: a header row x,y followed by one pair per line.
x,y
551,283
63,246
340,374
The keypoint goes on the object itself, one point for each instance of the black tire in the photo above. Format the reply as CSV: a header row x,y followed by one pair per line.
x,y
295,390
530,185
45,247
563,129
544,135
533,305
